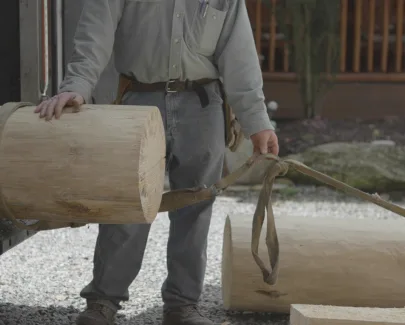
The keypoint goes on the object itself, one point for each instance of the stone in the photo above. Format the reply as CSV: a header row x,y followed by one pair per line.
x,y
383,143
366,166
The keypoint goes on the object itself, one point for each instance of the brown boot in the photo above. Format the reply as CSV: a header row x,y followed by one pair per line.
x,y
185,315
98,312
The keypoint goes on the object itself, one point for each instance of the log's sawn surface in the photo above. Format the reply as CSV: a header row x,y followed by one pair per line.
x,y
342,262
104,164
339,315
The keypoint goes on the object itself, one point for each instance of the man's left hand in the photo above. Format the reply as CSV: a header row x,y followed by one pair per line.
x,y
265,142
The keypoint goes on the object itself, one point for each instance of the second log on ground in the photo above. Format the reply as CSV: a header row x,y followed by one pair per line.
x,y
342,262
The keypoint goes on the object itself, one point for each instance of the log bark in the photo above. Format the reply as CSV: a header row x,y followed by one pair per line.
x,y
104,164
342,262
338,315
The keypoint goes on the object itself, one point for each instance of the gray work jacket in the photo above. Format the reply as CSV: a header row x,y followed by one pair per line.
x,y
158,40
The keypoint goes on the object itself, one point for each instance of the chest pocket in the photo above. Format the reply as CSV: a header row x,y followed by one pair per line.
x,y
205,29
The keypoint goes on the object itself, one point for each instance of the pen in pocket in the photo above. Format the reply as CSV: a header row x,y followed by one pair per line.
x,y
200,6
203,7
206,8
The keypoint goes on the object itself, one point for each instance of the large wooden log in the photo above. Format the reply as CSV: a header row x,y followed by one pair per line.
x,y
338,315
104,164
340,262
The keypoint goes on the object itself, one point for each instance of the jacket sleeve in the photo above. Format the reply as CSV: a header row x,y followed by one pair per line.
x,y
239,67
93,45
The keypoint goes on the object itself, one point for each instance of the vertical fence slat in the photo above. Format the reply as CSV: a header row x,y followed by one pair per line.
x,y
272,39
384,44
286,61
371,18
370,39
343,34
357,35
286,53
399,36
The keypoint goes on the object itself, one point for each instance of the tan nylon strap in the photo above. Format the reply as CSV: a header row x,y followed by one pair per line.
x,y
263,205
178,199
181,198
278,167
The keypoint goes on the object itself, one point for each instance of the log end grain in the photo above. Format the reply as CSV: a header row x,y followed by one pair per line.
x,y
302,314
152,165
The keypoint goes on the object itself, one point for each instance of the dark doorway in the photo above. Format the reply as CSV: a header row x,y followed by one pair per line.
x,y
9,51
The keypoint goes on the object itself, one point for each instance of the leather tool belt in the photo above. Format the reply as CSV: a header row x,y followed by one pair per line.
x,y
233,133
171,86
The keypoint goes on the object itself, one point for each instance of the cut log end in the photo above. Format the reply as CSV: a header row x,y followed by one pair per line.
x,y
337,315
152,165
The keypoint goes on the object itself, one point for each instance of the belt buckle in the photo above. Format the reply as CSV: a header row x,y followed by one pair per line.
x,y
167,88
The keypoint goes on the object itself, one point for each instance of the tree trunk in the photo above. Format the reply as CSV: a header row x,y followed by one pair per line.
x,y
104,164
342,262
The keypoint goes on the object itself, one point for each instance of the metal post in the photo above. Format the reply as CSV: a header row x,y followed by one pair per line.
x,y
57,35
45,53
30,53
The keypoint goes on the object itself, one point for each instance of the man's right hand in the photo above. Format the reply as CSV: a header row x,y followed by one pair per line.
x,y
55,105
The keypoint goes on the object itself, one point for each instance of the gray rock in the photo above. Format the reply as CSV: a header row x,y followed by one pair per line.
x,y
383,143
368,167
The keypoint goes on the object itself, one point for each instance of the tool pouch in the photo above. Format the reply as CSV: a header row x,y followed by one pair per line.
x,y
233,131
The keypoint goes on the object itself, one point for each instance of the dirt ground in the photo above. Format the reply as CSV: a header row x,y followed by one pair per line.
x,y
298,135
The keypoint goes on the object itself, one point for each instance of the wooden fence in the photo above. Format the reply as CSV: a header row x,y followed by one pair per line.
x,y
372,56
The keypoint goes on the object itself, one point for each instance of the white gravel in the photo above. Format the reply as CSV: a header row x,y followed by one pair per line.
x,y
41,278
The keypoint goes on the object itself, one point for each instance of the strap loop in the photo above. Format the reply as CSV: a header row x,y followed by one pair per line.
x,y
178,199
278,167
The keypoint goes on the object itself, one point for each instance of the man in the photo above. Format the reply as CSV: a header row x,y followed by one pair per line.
x,y
158,44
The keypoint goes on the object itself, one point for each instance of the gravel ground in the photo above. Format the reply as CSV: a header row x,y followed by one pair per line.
x,y
40,279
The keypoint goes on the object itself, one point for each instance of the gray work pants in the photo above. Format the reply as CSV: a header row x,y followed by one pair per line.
x,y
195,153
